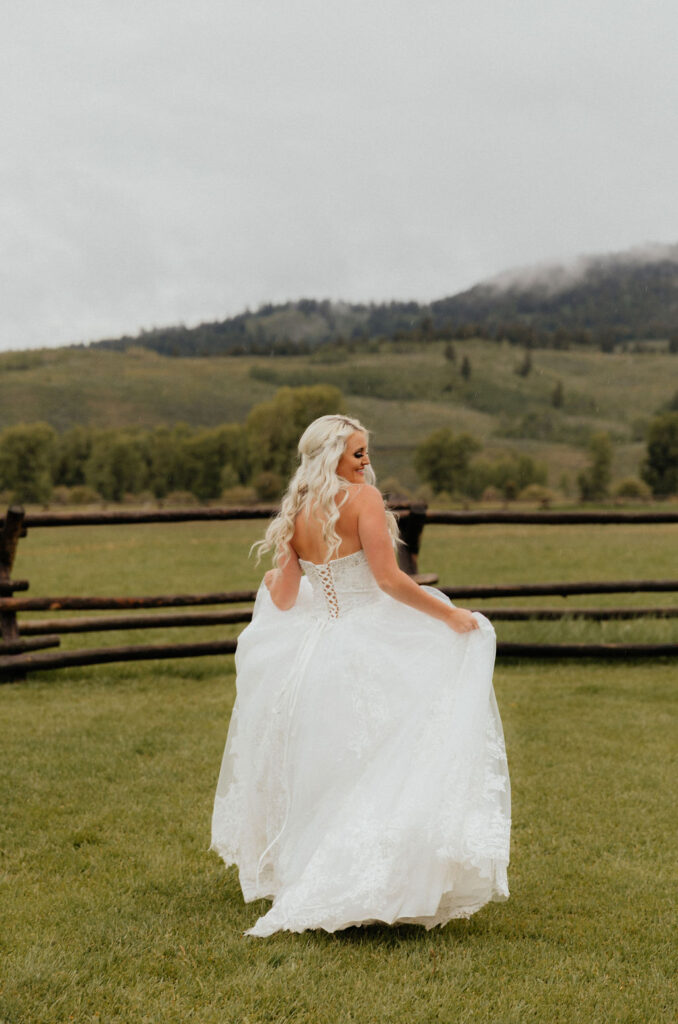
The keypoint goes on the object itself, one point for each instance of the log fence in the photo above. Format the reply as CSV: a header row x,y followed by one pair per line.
x,y
27,647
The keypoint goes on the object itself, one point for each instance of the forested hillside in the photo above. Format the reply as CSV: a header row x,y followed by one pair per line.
x,y
611,299
603,303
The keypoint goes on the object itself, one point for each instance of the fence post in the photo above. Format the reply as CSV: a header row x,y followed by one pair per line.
x,y
411,522
12,530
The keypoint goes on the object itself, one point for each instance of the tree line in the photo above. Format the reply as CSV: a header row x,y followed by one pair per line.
x,y
246,336
110,464
260,454
446,462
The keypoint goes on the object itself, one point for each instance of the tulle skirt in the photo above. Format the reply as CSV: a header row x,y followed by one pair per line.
x,y
365,776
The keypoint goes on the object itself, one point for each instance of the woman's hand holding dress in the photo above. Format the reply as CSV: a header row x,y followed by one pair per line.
x,y
376,542
461,620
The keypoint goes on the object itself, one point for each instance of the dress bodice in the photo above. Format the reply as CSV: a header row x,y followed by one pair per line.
x,y
341,585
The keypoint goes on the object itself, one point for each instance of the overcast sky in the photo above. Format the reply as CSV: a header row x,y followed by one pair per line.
x,y
169,161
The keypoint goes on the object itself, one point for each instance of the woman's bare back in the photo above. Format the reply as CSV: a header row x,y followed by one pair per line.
x,y
307,539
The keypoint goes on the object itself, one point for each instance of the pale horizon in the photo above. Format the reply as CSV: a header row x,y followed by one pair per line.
x,y
168,164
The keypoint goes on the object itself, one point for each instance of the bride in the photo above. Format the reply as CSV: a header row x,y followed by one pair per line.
x,y
364,777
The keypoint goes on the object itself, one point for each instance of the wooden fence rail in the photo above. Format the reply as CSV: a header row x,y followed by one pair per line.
x,y
547,518
19,653
564,589
561,589
106,623
107,655
151,652
623,651
130,516
596,614
456,517
67,603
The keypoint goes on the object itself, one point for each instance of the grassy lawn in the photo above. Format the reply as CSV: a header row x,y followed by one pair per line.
x,y
535,554
113,909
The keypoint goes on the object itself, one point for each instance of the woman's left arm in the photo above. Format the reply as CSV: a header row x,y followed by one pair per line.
x,y
283,583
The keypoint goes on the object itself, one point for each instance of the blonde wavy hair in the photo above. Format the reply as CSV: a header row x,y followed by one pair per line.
x,y
316,488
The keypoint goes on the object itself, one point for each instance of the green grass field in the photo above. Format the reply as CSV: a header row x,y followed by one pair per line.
x,y
115,912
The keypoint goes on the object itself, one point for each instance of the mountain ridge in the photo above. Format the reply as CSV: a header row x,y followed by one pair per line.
x,y
598,300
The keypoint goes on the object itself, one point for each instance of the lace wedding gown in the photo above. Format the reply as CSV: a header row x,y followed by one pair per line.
x,y
364,777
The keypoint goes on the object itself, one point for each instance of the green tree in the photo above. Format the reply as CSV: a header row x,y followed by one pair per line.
x,y
426,328
71,452
268,485
164,458
672,404
442,460
205,455
466,368
274,427
450,352
510,474
26,458
558,395
524,368
660,466
116,465
594,481
607,339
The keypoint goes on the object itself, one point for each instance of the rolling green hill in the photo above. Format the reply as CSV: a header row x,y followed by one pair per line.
x,y
401,391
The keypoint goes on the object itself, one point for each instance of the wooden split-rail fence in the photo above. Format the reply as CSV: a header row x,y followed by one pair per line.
x,y
32,644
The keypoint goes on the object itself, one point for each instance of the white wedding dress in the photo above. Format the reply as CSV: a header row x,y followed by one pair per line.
x,y
364,777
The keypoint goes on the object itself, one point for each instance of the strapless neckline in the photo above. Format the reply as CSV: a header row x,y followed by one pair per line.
x,y
333,561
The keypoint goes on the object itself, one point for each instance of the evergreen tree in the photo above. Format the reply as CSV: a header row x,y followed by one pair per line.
x,y
660,467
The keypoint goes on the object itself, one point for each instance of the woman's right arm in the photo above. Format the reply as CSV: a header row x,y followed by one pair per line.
x,y
283,583
378,547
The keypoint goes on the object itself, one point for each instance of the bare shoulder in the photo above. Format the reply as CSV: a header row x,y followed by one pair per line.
x,y
369,497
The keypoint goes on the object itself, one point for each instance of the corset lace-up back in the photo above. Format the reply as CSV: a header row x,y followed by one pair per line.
x,y
327,583
341,585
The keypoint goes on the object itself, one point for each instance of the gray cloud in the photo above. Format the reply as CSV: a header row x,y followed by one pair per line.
x,y
169,162
556,277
